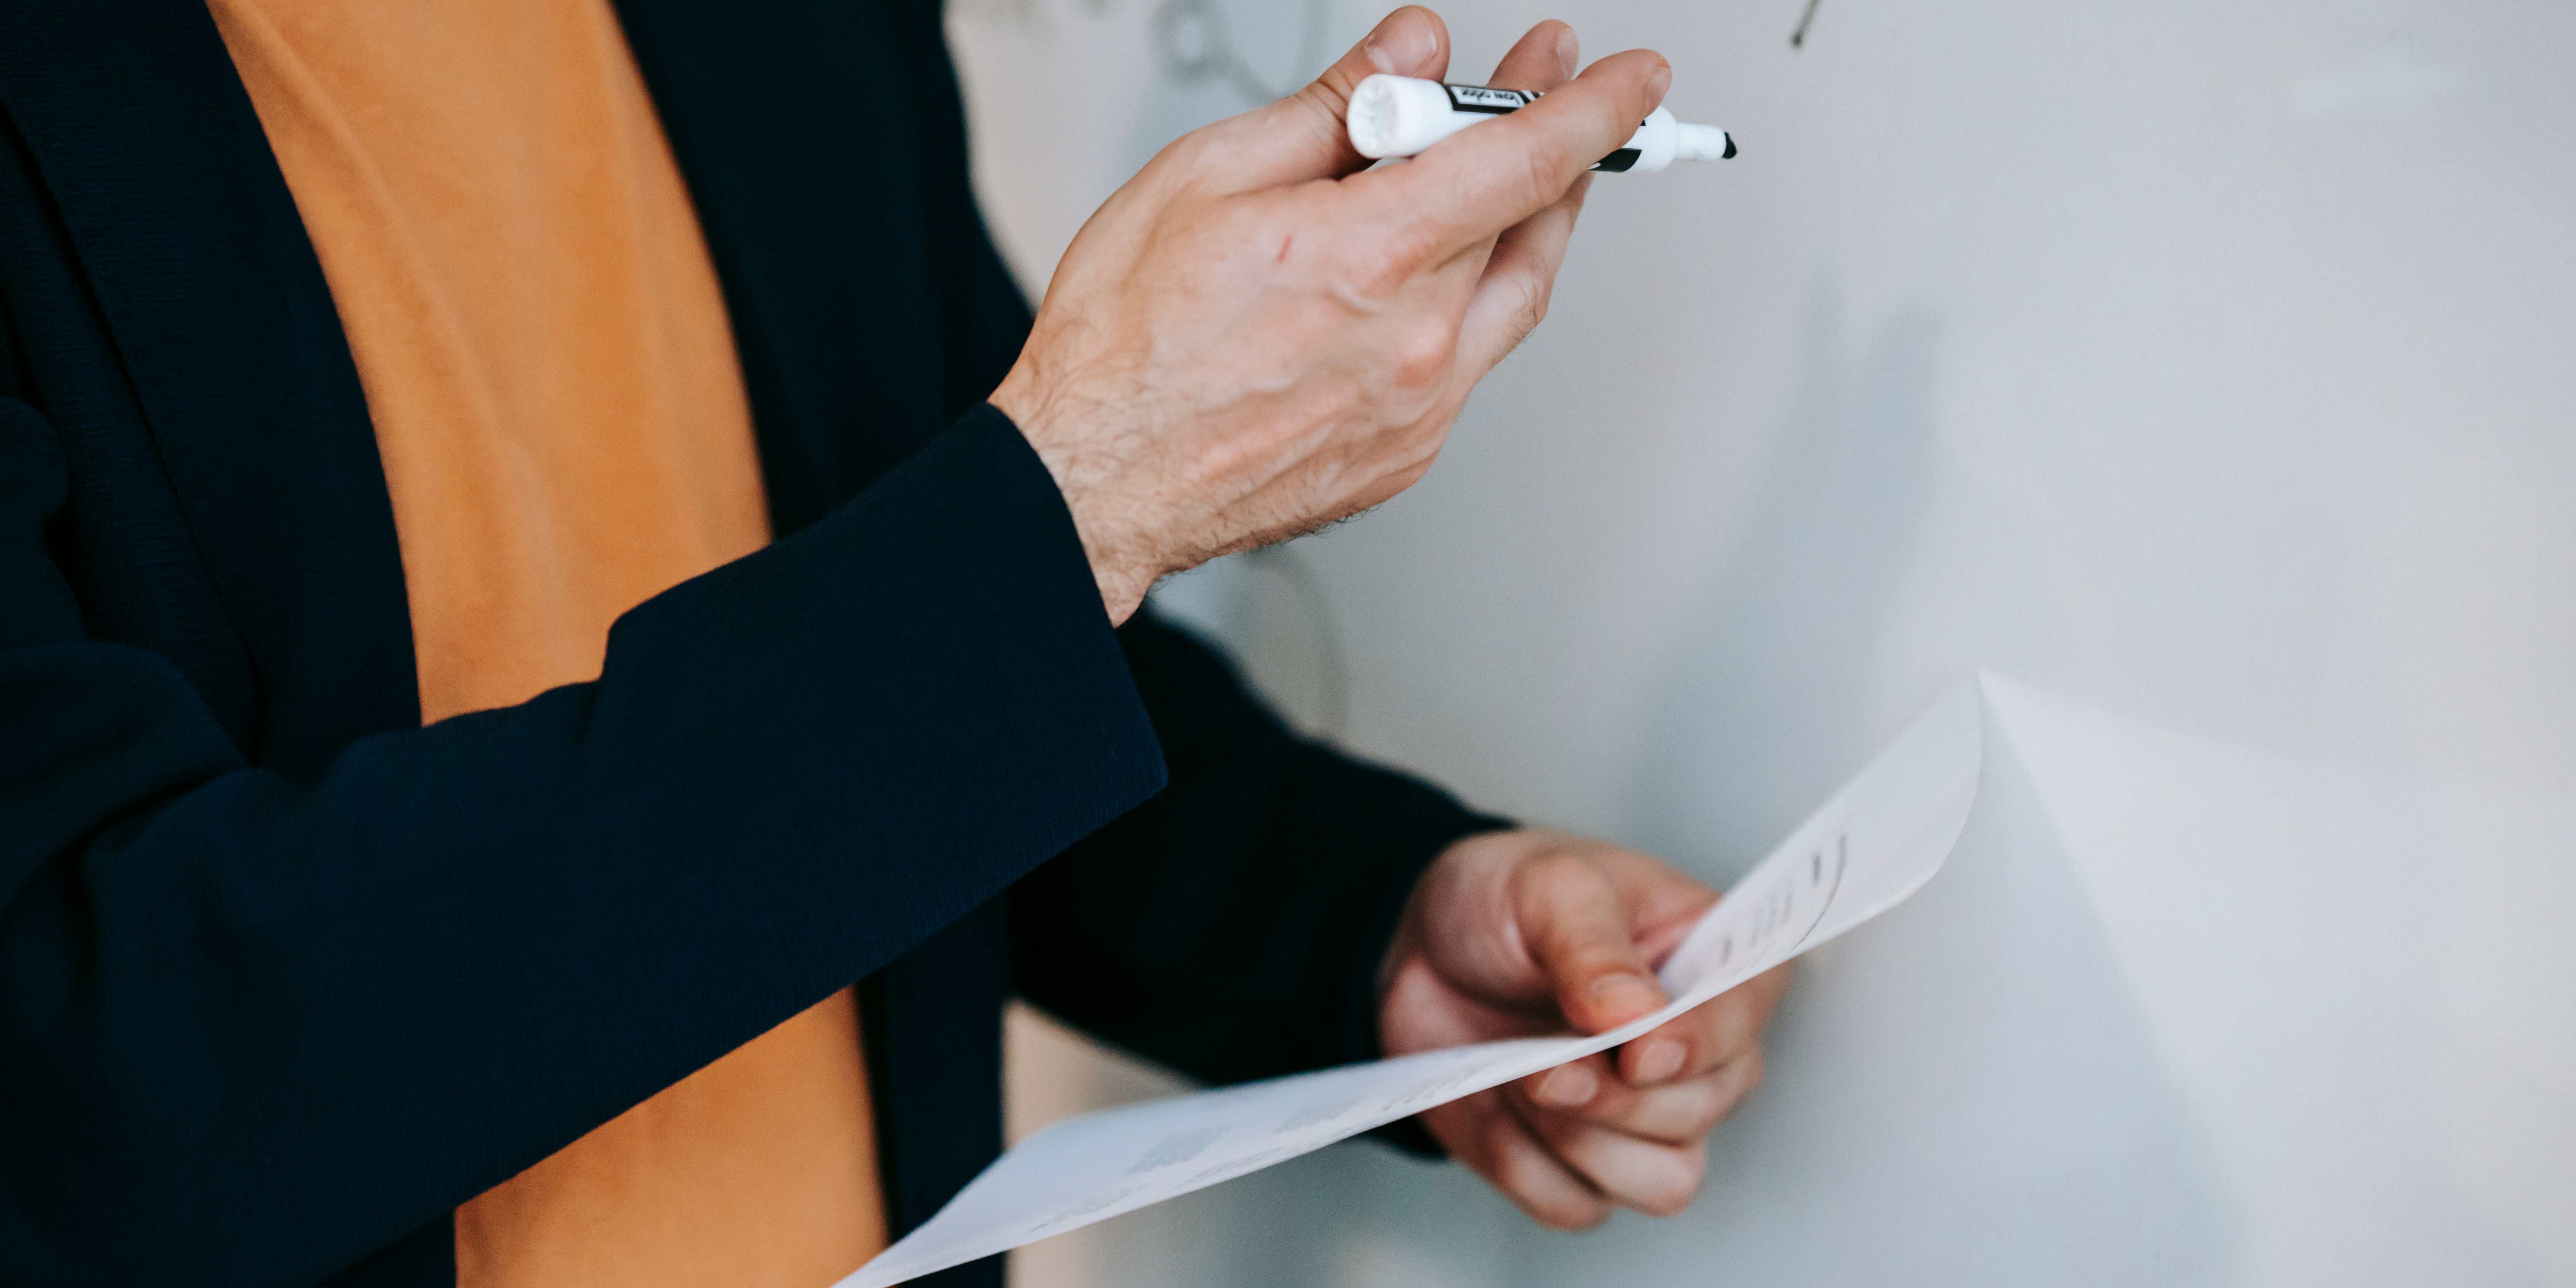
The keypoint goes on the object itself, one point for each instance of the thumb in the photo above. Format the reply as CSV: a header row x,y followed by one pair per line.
x,y
1304,136
1575,928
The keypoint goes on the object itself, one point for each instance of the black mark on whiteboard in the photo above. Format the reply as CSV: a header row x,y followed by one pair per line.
x,y
1798,38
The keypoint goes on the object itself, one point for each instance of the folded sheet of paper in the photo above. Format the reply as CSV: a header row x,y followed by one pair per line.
x,y
1874,843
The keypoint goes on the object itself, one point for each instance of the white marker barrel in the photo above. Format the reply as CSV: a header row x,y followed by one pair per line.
x,y
1398,116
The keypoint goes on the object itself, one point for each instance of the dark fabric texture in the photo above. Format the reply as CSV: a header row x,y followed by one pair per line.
x,y
1230,970
285,977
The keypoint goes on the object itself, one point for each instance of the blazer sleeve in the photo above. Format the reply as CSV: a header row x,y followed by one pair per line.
x,y
386,990
1232,927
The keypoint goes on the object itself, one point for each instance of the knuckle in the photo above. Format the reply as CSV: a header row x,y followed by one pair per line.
x,y
1544,163
1373,274
1567,1214
1519,1171
1506,1153
1421,447
1326,100
1560,869
1530,1178
1663,1204
1733,1084
1186,154
1669,1193
1710,1110
1529,303
1425,353
1391,259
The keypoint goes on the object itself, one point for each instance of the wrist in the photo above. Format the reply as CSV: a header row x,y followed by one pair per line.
x,y
1115,541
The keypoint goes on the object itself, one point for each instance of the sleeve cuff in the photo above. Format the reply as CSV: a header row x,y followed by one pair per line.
x,y
1431,827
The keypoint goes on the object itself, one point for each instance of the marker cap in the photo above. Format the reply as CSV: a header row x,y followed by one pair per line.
x,y
1398,116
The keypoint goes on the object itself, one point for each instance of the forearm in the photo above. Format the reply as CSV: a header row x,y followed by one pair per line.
x,y
466,944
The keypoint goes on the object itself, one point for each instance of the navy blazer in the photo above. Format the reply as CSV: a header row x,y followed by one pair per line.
x,y
285,976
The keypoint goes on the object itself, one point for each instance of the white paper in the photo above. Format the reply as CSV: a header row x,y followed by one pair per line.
x,y
1875,842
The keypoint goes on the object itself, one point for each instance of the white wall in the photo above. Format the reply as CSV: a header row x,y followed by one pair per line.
x,y
2209,368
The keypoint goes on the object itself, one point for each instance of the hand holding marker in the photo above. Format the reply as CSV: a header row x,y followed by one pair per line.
x,y
1398,116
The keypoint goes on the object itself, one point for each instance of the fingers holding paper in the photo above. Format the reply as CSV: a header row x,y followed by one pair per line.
x,y
1644,1145
1519,933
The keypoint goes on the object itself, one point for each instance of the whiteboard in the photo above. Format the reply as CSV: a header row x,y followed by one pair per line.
x,y
2209,369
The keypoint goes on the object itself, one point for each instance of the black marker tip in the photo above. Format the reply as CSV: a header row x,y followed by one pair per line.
x,y
1730,148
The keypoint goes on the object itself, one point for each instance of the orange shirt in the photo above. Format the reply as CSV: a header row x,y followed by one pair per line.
x,y
556,400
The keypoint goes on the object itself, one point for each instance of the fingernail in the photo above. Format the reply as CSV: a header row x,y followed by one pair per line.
x,y
1567,1086
1569,52
1659,82
1401,43
1627,993
1662,1059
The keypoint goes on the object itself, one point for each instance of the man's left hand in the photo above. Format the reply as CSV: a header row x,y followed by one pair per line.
x,y
1522,933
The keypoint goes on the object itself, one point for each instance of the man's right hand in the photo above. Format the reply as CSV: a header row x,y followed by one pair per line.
x,y
1257,335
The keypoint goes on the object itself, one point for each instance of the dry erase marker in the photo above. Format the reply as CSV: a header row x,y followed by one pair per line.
x,y
1398,116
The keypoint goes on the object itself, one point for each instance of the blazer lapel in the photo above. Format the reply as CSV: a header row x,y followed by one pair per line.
x,y
184,225
793,125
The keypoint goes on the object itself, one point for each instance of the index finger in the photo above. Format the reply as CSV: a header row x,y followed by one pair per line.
x,y
1482,180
